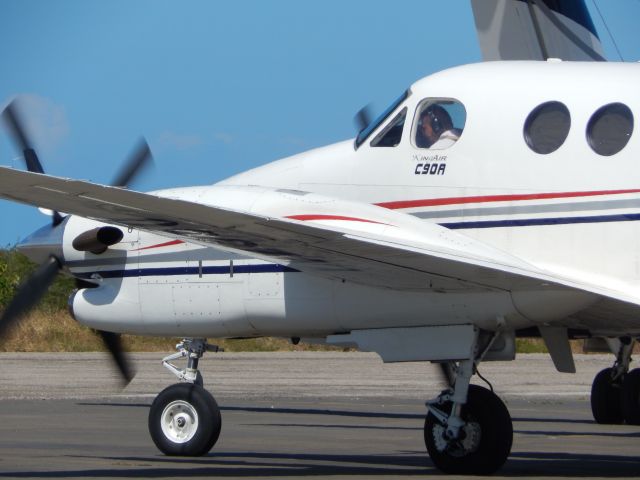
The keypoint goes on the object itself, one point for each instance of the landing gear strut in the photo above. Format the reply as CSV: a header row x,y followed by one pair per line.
x,y
193,349
184,418
468,429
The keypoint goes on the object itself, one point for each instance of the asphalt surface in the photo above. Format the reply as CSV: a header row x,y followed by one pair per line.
x,y
323,415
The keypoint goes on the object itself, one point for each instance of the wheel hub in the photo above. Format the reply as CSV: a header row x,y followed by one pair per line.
x,y
467,442
179,421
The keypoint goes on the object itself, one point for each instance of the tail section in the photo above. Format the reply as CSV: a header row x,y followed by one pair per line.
x,y
536,30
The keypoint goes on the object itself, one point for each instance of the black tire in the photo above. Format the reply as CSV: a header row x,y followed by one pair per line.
x,y
489,423
606,401
172,420
631,397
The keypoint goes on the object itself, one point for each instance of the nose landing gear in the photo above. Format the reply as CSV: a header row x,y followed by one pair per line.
x,y
193,349
184,418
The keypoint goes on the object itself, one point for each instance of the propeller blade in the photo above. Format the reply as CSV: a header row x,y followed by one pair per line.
x,y
56,218
14,121
363,117
137,161
29,293
16,126
114,345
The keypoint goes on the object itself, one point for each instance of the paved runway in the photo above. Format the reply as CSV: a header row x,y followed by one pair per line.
x,y
292,415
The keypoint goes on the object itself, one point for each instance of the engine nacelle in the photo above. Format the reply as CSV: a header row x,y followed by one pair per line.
x,y
174,310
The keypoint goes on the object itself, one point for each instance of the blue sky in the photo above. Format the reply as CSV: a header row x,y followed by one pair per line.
x,y
219,87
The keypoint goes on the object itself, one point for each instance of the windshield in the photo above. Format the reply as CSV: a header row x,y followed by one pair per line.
x,y
366,131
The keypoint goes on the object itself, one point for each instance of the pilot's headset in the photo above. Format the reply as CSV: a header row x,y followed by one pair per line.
x,y
434,112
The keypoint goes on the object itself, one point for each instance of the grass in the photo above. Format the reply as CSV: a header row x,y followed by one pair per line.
x,y
530,345
58,332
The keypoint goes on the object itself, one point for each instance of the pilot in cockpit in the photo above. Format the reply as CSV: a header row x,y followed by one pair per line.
x,y
435,129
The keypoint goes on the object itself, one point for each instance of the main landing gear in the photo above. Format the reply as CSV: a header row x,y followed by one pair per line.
x,y
184,418
468,429
615,393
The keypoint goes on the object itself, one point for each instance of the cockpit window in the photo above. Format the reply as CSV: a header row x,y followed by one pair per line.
x,y
392,133
439,124
366,131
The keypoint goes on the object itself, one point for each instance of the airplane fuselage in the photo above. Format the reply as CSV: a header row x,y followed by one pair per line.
x,y
572,211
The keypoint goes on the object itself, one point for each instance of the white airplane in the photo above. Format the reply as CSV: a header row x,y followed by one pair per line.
x,y
489,201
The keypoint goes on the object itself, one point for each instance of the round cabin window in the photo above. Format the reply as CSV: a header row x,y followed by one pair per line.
x,y
547,127
610,128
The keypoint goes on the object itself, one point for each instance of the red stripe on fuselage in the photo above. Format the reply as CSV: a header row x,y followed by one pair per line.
x,y
165,244
432,202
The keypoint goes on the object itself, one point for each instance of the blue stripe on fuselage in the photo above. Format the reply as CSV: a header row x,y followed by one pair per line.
x,y
529,222
173,271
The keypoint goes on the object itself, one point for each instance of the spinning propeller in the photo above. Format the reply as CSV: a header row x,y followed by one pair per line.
x,y
15,124
34,287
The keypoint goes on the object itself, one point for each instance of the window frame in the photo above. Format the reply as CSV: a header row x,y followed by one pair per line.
x,y
391,124
418,112
366,132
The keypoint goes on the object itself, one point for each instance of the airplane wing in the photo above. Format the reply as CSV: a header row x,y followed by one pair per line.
x,y
350,241
536,30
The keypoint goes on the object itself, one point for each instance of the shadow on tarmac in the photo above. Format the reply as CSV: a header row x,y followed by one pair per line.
x,y
252,464
403,463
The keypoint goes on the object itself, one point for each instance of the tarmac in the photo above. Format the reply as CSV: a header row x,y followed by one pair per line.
x,y
293,415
